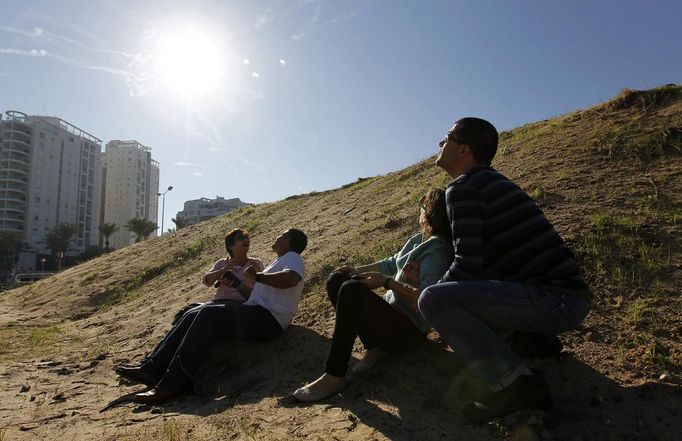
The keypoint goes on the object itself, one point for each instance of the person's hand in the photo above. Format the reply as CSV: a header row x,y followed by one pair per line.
x,y
229,265
371,280
411,274
346,270
250,274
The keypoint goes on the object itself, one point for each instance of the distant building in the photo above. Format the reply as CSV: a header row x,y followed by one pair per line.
x,y
49,174
130,187
199,210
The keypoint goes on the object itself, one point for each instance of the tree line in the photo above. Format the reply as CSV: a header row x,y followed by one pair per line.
x,y
58,240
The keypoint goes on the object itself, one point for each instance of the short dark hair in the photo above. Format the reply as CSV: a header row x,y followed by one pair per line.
x,y
436,214
479,135
232,237
297,239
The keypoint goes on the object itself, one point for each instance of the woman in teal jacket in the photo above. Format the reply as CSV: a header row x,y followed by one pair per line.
x,y
384,322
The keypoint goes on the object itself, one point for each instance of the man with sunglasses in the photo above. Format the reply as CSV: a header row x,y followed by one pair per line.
x,y
512,273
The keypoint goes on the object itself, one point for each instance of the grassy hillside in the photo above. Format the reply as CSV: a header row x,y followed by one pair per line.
x,y
607,176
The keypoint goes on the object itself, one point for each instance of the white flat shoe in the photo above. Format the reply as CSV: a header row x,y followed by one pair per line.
x,y
315,392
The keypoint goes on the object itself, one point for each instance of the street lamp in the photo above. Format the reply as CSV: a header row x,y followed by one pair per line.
x,y
163,205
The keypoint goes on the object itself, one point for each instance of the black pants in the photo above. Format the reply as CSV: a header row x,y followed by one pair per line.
x,y
177,357
362,313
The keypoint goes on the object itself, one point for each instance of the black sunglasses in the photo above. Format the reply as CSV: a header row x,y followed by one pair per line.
x,y
449,137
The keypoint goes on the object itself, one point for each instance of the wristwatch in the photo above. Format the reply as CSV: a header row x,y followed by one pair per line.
x,y
259,277
387,283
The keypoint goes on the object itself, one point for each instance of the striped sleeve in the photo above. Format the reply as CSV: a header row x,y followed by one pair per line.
x,y
466,211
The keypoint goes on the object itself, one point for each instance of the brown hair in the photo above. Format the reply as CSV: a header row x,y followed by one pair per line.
x,y
232,237
437,223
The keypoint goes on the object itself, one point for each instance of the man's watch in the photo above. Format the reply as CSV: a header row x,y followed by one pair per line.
x,y
387,283
259,277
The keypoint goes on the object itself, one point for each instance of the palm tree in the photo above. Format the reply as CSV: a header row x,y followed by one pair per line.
x,y
180,222
11,245
58,239
107,230
141,227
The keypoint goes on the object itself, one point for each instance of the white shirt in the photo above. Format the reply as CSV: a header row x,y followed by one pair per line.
x,y
281,302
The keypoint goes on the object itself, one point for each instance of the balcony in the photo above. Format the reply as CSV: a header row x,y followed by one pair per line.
x,y
6,216
12,197
5,187
19,228
14,164
17,136
15,179
8,209
14,155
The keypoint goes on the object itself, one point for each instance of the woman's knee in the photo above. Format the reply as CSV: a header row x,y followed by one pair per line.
x,y
352,292
334,282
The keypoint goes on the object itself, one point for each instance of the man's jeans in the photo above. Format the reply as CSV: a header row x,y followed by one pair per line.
x,y
470,316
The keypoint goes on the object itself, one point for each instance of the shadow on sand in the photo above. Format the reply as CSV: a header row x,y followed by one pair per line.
x,y
415,394
245,372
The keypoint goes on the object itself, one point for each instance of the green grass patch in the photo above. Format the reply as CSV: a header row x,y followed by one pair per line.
x,y
630,143
170,430
620,251
91,278
538,193
191,251
250,225
40,337
124,292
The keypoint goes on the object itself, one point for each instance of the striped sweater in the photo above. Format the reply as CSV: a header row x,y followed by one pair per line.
x,y
499,233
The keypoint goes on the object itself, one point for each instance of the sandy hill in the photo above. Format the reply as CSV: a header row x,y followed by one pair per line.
x,y
607,176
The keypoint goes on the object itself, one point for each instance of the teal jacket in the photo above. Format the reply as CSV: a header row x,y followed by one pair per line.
x,y
434,255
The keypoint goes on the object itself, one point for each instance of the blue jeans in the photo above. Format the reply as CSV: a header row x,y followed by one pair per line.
x,y
469,316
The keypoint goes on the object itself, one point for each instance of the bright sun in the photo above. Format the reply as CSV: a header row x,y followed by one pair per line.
x,y
190,62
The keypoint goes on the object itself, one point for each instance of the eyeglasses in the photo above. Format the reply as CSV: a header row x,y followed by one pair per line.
x,y
448,138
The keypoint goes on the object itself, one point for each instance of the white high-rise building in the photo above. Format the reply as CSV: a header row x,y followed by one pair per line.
x,y
199,210
130,188
49,174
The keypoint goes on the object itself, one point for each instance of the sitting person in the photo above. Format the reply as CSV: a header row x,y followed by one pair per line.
x,y
385,322
272,303
512,272
237,244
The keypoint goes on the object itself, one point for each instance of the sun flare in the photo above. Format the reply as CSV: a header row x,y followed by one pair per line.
x,y
190,62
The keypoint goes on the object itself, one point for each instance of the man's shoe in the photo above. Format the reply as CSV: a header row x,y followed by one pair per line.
x,y
137,374
526,392
530,345
155,395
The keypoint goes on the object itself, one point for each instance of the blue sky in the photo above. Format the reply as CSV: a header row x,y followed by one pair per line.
x,y
264,99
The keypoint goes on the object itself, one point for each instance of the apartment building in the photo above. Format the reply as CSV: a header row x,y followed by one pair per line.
x,y
202,209
50,173
130,187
